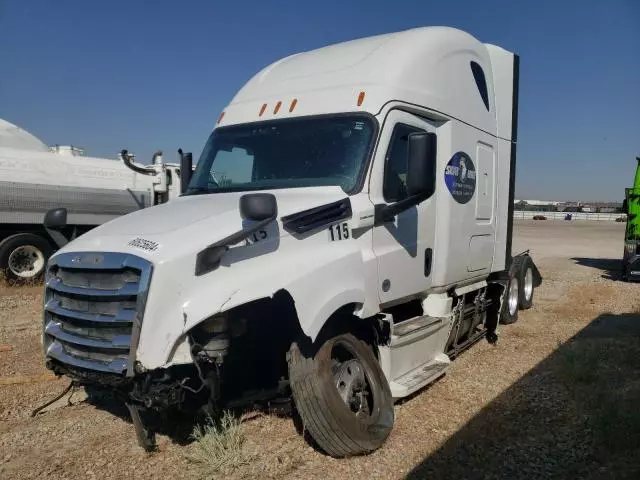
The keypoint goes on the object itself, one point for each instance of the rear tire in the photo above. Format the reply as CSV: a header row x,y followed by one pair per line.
x,y
511,302
23,258
523,267
342,396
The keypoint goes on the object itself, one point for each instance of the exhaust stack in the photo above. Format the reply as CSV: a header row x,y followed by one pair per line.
x,y
186,169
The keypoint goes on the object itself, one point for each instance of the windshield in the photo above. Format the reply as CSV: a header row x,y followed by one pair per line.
x,y
301,152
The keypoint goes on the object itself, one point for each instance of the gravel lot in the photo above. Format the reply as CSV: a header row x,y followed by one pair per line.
x,y
554,399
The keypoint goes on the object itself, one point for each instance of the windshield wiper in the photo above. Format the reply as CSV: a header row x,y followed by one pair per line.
x,y
198,191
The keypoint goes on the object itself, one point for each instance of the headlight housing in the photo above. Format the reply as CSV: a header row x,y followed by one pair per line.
x,y
216,324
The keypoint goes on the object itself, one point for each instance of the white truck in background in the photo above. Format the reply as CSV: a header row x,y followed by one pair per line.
x,y
35,178
346,234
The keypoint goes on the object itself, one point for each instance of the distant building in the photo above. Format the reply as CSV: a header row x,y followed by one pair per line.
x,y
536,205
572,207
538,202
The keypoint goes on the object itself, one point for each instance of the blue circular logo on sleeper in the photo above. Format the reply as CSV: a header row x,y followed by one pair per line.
x,y
460,177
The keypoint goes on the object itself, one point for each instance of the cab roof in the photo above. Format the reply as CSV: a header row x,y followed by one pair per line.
x,y
432,67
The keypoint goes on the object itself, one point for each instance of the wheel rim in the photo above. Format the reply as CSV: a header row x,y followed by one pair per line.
x,y
351,381
26,261
513,297
528,284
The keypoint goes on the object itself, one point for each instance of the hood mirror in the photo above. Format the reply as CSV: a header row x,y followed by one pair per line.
x,y
258,206
55,218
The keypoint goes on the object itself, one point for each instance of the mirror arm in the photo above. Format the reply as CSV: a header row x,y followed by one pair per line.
x,y
242,234
59,239
386,213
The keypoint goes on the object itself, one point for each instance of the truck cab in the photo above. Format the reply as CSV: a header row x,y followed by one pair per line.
x,y
345,235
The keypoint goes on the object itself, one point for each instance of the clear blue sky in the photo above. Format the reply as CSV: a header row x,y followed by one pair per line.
x,y
148,75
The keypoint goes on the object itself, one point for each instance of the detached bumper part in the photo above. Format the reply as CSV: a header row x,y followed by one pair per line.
x,y
145,436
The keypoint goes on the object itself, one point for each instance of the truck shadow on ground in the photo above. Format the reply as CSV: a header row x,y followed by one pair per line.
x,y
612,268
574,415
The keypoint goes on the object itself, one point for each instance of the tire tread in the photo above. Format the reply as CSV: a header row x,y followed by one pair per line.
x,y
312,405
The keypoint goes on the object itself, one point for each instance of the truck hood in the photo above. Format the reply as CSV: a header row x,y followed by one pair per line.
x,y
191,222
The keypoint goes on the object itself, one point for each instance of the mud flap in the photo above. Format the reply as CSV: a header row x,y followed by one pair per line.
x,y
537,277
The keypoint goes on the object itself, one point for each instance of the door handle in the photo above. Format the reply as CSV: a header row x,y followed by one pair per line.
x,y
428,260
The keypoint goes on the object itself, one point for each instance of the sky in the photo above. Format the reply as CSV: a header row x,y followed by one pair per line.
x,y
150,76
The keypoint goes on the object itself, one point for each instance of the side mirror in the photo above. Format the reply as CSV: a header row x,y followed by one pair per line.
x,y
258,206
421,176
421,168
55,219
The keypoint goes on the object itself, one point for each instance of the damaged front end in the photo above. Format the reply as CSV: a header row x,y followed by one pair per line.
x,y
93,315
93,311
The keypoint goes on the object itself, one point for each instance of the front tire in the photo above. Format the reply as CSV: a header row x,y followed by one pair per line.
x,y
23,257
342,396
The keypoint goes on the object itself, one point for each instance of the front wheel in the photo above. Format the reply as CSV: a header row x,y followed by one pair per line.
x,y
342,396
23,257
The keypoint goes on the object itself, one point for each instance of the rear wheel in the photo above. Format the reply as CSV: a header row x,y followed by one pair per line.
x,y
23,257
342,396
523,267
510,305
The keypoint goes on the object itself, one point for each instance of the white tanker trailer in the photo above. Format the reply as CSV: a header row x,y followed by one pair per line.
x,y
35,178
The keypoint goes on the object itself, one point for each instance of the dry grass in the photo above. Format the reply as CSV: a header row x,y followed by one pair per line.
x,y
218,445
585,300
579,367
603,379
8,287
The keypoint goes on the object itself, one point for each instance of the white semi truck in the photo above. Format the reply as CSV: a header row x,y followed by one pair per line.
x,y
35,178
346,234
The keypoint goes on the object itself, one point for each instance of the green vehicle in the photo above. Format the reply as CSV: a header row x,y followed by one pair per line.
x,y
631,206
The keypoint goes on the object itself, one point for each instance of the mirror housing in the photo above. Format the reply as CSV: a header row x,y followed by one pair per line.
x,y
258,206
55,219
421,176
421,164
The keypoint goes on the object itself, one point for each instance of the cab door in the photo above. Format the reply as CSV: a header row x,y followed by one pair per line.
x,y
404,246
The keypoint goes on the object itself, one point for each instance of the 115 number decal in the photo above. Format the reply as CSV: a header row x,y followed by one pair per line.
x,y
339,231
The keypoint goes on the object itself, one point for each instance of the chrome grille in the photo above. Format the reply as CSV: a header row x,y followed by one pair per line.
x,y
94,304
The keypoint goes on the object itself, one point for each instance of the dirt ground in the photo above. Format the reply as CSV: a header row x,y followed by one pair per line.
x,y
556,398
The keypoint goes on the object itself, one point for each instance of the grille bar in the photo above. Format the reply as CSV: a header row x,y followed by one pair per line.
x,y
116,365
127,290
124,315
94,305
117,342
